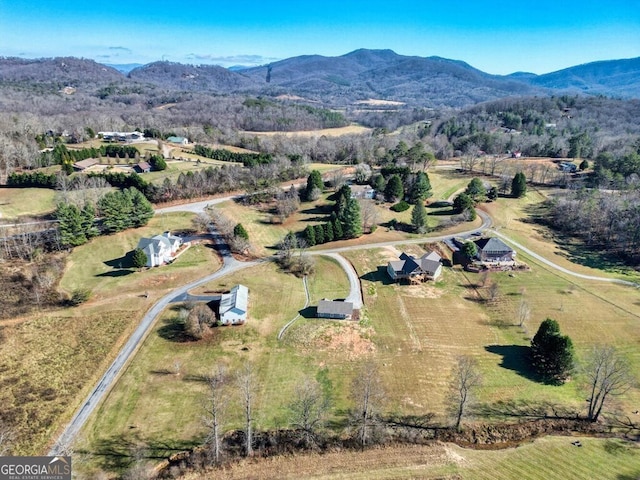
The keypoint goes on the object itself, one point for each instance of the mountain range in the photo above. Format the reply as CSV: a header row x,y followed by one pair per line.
x,y
359,75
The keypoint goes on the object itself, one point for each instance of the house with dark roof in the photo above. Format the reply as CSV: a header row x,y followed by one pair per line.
x,y
427,267
234,306
335,309
160,249
493,251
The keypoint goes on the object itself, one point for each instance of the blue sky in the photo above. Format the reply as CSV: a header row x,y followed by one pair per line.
x,y
496,36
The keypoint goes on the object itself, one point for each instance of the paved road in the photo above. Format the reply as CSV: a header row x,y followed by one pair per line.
x,y
230,265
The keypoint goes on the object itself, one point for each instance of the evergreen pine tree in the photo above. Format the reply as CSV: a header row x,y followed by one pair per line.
x,y
139,258
328,232
240,231
421,188
319,231
310,235
419,217
519,185
338,234
352,219
551,353
394,189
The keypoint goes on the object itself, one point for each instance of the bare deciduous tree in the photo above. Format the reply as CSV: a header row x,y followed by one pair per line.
x,y
308,410
524,312
246,382
368,395
369,214
465,378
494,291
607,374
216,406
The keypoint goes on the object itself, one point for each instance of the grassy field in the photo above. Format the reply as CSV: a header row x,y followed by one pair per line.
x,y
24,202
421,329
172,421
327,132
544,459
51,359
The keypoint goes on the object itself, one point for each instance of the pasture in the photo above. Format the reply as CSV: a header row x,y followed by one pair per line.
x,y
172,370
326,132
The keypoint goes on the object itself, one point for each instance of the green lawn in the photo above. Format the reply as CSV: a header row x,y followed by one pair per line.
x,y
24,202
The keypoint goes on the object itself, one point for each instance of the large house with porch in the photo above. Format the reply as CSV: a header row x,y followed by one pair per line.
x,y
160,249
493,251
427,267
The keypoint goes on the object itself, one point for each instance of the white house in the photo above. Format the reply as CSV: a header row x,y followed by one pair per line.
x,y
233,306
160,249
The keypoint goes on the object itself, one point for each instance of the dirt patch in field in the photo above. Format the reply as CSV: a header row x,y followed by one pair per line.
x,y
424,290
346,337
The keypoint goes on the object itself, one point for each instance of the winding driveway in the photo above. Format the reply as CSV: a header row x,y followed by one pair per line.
x,y
105,383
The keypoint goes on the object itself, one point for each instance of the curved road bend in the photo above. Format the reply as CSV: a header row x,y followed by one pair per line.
x,y
81,416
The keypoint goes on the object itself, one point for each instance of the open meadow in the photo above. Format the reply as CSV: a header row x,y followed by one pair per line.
x,y
55,356
25,202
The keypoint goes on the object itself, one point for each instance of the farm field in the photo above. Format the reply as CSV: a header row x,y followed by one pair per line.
x,y
173,419
25,202
56,356
543,459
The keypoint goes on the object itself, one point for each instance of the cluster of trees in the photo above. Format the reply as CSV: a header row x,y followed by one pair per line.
x,y
608,221
618,171
124,209
400,183
224,155
76,225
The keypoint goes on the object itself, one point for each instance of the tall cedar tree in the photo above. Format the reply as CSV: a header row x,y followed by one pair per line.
x,y
310,235
462,202
338,234
421,188
394,189
328,232
551,353
519,185
352,219
476,190
314,181
319,231
419,217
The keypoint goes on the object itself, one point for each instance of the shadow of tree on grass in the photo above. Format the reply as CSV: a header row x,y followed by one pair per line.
x,y
515,358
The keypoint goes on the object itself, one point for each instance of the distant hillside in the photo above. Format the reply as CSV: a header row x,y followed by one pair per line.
x,y
386,75
191,78
612,77
57,72
124,68
334,81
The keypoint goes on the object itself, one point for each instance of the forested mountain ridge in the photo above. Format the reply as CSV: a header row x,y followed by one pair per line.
x,y
338,81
